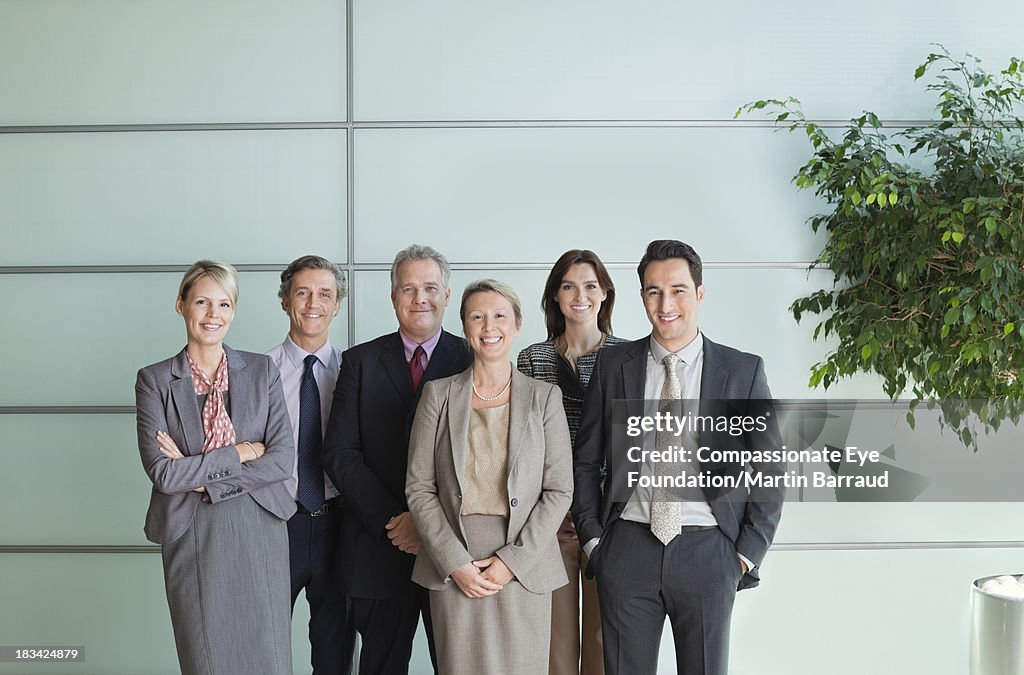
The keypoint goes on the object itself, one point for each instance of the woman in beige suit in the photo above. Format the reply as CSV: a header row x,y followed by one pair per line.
x,y
489,481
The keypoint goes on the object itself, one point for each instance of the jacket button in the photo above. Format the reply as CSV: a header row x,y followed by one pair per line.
x,y
515,502
209,476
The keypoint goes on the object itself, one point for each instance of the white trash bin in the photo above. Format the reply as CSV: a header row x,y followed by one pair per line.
x,y
997,632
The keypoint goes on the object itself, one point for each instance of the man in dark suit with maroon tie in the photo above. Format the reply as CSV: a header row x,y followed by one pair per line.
x,y
366,452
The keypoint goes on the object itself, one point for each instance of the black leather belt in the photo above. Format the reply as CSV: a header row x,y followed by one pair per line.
x,y
696,528
332,504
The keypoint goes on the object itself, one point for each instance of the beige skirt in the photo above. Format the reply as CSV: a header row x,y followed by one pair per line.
x,y
508,632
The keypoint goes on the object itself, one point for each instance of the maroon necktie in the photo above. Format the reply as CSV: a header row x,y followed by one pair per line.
x,y
416,367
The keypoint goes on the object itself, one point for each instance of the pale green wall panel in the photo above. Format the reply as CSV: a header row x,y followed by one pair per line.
x,y
526,195
91,467
115,62
586,59
898,612
104,327
743,308
168,197
111,604
830,523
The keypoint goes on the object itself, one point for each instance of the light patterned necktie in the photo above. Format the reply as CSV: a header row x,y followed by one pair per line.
x,y
666,518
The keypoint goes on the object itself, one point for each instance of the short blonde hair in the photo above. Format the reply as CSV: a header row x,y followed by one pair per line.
x,y
224,274
492,286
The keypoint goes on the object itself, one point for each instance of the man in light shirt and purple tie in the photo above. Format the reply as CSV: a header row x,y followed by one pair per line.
x,y
311,292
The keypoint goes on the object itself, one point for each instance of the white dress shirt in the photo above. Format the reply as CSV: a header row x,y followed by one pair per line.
x,y
688,370
290,361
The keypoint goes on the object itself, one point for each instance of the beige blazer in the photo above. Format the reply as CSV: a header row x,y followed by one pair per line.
x,y
539,481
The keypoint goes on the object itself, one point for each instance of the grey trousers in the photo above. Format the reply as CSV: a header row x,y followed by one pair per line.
x,y
640,581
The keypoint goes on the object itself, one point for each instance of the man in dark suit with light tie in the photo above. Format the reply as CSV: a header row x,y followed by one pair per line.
x,y
681,556
311,292
366,452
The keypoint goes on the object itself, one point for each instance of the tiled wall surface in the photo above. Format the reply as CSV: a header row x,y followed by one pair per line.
x,y
138,137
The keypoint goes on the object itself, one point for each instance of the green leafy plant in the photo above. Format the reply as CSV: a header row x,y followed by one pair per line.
x,y
926,243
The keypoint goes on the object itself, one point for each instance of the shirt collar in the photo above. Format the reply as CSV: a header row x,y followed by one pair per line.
x,y
297,355
687,354
411,345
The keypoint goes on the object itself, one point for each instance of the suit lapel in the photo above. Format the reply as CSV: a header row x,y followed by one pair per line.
x,y
460,402
634,375
520,403
713,379
183,394
438,365
239,380
392,359
634,371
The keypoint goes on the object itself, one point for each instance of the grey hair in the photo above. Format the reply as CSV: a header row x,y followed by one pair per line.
x,y
492,286
311,262
419,252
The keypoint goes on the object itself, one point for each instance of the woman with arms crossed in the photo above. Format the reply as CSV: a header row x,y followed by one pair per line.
x,y
216,442
489,480
578,299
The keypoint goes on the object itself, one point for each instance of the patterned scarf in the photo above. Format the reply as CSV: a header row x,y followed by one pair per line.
x,y
217,427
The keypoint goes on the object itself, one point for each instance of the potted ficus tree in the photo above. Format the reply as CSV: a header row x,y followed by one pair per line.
x,y
926,244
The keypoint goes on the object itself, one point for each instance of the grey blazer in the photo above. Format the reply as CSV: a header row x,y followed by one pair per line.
x,y
166,400
539,481
730,379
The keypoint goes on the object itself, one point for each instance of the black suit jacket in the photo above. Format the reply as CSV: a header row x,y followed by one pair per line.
x,y
729,378
366,450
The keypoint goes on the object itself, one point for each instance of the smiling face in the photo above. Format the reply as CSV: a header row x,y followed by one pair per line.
x,y
419,298
208,311
671,300
311,304
580,295
490,325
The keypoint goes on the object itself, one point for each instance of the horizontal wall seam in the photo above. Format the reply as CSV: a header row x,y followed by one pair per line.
x,y
427,124
197,126
780,404
381,266
795,546
128,269
67,410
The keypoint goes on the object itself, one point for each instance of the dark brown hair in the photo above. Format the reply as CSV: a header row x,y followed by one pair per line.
x,y
553,313
311,262
667,249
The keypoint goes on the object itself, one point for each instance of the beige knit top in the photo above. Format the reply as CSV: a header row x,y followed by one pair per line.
x,y
486,471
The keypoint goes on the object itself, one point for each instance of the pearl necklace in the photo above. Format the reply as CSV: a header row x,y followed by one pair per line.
x,y
496,396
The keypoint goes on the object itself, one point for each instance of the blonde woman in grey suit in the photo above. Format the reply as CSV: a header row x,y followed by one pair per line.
x,y
216,442
489,481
